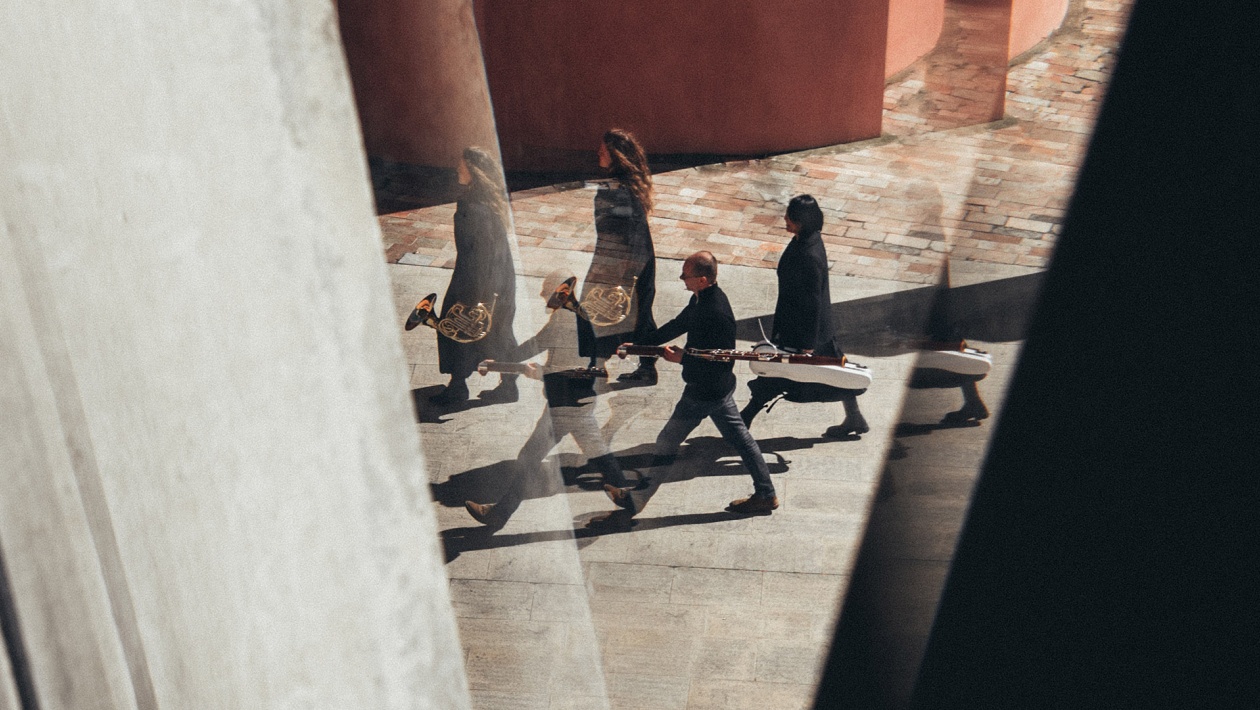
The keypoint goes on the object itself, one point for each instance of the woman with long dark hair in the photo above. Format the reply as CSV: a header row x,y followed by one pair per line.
x,y
802,318
624,255
483,274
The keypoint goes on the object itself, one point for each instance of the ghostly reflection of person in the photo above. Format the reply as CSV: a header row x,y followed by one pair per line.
x,y
623,252
802,318
570,411
483,274
944,332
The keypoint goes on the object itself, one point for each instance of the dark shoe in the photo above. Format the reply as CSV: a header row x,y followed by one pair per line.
x,y
642,376
969,413
482,513
621,497
848,428
610,470
505,392
453,394
754,505
616,520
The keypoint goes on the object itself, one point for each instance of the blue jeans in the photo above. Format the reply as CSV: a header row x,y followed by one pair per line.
x,y
688,414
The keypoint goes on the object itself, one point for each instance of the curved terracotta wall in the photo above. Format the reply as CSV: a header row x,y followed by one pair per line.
x,y
418,78
706,76
709,76
914,26
1033,21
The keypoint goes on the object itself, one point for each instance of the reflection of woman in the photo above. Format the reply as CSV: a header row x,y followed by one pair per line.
x,y
802,316
623,251
483,273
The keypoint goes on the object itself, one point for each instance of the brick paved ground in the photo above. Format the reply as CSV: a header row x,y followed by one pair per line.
x,y
992,193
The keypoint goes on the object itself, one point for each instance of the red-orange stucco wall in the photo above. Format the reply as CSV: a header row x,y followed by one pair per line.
x,y
705,76
914,26
418,78
1033,21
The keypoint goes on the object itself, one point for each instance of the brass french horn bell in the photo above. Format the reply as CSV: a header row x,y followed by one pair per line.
x,y
603,305
423,313
461,323
563,297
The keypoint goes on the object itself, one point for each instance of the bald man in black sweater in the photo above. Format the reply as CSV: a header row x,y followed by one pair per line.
x,y
709,323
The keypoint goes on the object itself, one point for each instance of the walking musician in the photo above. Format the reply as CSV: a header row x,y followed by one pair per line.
x,y
708,323
802,320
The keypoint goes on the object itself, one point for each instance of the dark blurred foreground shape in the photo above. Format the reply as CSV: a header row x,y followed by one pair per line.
x,y
1108,559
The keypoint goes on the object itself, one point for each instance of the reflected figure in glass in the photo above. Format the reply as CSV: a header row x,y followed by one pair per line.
x,y
570,411
624,257
483,274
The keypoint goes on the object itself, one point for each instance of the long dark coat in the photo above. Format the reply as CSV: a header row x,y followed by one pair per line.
x,y
483,268
623,250
802,319
802,315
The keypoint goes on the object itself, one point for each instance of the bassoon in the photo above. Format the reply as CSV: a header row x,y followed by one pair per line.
x,y
718,355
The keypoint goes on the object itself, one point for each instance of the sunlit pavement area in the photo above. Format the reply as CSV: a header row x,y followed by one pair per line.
x,y
693,607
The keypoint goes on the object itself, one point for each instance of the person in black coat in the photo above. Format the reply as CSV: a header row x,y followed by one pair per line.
x,y
802,318
483,274
623,255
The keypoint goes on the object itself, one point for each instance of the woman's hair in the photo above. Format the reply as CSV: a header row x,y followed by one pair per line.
x,y
629,164
805,212
487,185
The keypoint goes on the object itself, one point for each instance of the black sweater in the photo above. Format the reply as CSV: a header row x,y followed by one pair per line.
x,y
709,323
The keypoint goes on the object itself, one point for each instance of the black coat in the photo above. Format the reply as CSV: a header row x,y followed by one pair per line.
x,y
802,315
802,320
483,268
623,251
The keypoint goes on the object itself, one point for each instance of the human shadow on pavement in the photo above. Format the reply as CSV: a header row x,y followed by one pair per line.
x,y
879,326
430,413
908,429
777,445
699,457
585,475
456,541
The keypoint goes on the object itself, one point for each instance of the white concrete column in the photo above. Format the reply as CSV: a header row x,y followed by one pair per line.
x,y
213,494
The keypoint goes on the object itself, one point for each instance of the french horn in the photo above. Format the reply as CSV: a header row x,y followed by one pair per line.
x,y
461,323
603,305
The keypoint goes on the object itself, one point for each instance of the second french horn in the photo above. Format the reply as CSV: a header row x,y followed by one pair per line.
x,y
604,305
461,323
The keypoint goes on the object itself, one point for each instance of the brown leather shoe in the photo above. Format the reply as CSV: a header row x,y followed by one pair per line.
x,y
482,512
754,505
